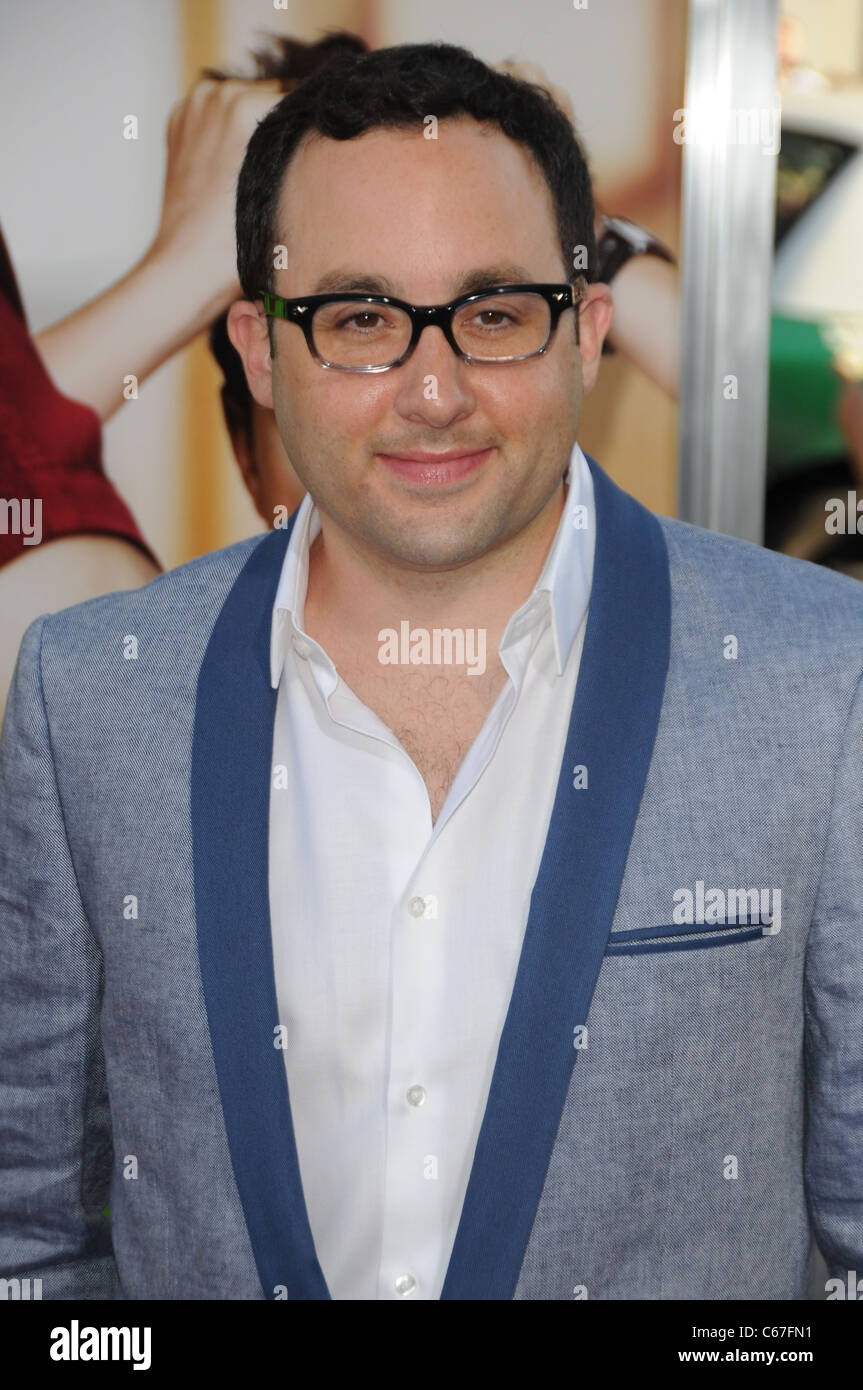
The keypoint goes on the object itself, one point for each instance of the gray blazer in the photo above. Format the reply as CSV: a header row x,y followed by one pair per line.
x,y
677,1101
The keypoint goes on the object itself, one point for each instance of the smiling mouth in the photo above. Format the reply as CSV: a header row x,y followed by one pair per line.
x,y
428,470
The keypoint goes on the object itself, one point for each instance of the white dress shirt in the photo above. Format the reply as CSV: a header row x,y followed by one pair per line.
x,y
396,942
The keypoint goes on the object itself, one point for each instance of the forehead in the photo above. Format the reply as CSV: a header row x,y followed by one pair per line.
x,y
404,206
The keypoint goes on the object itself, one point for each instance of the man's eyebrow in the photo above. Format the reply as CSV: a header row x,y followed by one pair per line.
x,y
486,277
362,282
354,282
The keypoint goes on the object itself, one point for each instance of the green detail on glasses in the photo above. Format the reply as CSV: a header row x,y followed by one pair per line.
x,y
274,307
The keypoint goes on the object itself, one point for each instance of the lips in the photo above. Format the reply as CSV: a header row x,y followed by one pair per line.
x,y
434,470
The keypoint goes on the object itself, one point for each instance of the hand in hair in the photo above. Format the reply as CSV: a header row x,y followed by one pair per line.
x,y
207,134
188,276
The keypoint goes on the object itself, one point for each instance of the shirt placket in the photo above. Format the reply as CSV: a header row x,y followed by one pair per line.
x,y
414,1214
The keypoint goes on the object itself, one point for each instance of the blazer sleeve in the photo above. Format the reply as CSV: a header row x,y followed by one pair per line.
x,y
56,1153
834,1020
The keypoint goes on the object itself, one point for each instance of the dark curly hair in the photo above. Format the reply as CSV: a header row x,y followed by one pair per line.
x,y
396,88
287,61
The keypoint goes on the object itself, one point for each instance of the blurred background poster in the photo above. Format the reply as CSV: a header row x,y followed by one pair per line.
x,y
767,248
814,450
80,200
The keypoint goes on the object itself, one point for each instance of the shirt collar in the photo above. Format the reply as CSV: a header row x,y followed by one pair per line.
x,y
567,574
564,584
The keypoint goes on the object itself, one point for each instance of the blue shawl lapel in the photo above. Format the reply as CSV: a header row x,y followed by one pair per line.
x,y
612,729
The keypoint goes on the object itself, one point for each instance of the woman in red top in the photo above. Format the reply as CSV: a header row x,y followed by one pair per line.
x,y
52,483
52,488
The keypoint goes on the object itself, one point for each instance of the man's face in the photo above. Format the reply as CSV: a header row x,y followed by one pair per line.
x,y
421,215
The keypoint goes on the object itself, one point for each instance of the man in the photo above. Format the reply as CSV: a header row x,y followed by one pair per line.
x,y
646,308
514,828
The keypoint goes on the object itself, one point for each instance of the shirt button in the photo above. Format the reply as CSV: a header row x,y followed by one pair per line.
x,y
404,1285
416,907
301,648
415,1095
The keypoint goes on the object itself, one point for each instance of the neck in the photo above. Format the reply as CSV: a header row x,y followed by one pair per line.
x,y
355,590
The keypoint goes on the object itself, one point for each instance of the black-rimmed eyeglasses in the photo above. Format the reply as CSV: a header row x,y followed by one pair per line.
x,y
371,333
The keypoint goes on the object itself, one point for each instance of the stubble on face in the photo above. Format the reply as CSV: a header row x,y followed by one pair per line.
x,y
387,204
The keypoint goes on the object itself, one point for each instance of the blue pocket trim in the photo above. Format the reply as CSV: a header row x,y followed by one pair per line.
x,y
632,943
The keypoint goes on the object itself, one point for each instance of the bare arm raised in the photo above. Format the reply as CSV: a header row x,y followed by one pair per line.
x,y
187,277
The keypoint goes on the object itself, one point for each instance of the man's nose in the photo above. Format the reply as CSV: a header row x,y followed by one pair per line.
x,y
434,380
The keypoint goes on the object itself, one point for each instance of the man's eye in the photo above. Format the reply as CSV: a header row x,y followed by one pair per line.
x,y
500,319
363,321
355,320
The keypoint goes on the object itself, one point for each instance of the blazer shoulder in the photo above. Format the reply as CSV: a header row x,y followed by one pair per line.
x,y
199,585
179,607
763,585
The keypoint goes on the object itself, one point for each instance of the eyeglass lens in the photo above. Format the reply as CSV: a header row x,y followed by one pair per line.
x,y
351,334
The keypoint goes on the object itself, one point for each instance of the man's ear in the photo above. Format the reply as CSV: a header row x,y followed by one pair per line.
x,y
247,329
594,321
